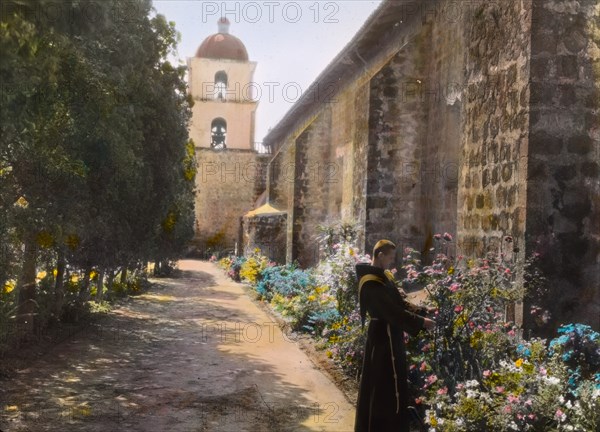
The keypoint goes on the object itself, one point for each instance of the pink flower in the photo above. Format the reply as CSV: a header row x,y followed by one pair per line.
x,y
394,271
528,402
487,373
459,386
559,414
442,391
542,371
454,287
458,309
513,398
507,271
531,416
511,333
430,380
500,389
437,236
507,409
447,237
423,367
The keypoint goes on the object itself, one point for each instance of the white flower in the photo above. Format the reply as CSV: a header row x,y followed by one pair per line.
x,y
552,380
459,422
486,397
471,393
472,383
513,426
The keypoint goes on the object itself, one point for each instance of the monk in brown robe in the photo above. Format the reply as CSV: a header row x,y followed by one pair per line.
x,y
382,403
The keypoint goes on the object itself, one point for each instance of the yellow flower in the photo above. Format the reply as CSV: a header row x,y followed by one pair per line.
x,y
351,251
433,421
9,285
320,289
451,270
329,353
54,272
470,263
41,275
311,298
22,202
518,363
74,278
93,274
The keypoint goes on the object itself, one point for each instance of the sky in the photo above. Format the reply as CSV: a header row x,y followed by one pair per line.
x,y
291,41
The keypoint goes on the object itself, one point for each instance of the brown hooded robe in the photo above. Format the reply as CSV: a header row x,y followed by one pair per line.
x,y
383,392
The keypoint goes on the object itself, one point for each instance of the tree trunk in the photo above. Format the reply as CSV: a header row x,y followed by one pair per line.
x,y
124,274
109,284
26,287
100,285
59,286
84,293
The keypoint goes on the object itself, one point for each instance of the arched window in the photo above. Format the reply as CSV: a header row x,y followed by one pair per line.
x,y
218,133
220,85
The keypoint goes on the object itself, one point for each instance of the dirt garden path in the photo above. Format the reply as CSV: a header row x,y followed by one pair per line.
x,y
195,353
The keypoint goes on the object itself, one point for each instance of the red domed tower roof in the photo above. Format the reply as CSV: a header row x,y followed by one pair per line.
x,y
222,45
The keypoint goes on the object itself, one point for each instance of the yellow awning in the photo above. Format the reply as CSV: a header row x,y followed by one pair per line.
x,y
264,209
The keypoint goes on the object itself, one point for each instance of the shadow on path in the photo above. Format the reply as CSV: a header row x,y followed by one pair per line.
x,y
191,354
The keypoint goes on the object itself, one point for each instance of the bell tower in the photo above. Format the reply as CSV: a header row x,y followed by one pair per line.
x,y
231,172
220,81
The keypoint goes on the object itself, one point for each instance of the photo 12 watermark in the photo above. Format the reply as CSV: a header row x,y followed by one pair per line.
x,y
271,11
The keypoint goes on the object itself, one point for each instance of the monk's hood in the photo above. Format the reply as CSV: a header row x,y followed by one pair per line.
x,y
366,268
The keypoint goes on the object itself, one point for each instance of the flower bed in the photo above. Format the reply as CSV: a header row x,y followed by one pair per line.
x,y
475,372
